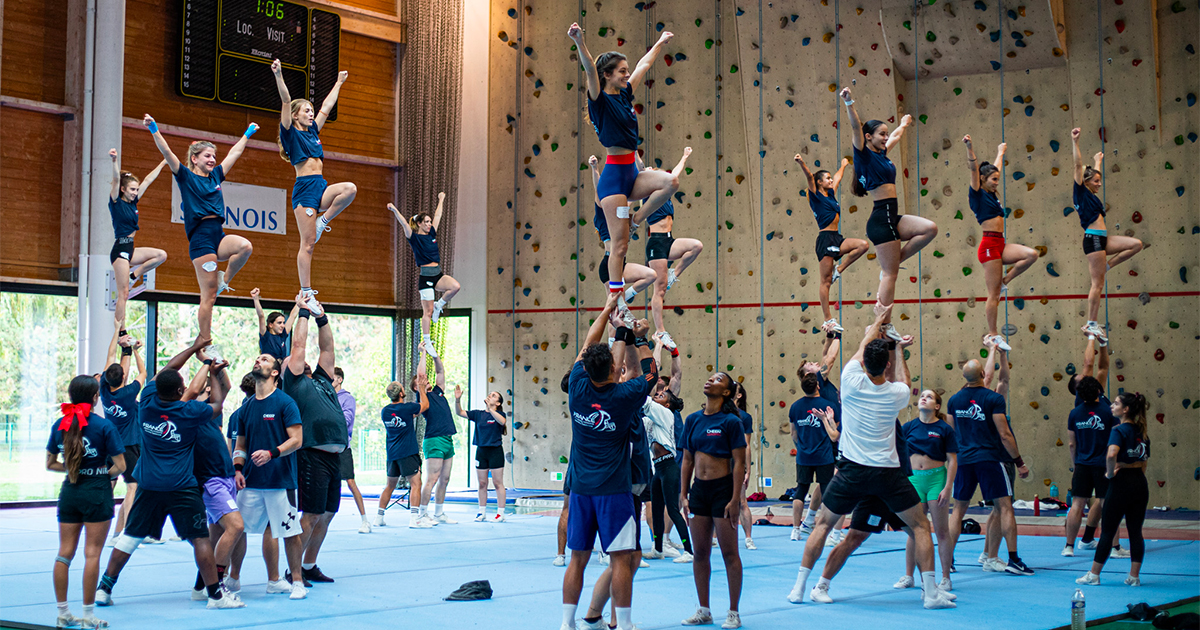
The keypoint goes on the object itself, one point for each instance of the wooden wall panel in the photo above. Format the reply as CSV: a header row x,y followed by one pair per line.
x,y
386,7
30,149
34,63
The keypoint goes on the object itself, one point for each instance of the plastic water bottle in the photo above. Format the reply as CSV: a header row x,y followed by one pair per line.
x,y
1054,490
1078,614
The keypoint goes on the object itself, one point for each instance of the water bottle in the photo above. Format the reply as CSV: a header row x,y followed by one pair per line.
x,y
1070,499
1078,615
1054,490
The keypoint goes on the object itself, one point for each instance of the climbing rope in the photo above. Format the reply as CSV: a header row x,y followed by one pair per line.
x,y
1001,165
837,80
717,193
1103,177
762,348
517,91
916,117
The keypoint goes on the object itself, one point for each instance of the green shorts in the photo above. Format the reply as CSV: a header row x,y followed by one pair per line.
x,y
441,447
929,483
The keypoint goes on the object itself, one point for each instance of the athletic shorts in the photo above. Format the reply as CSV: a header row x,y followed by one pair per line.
x,y
609,515
220,498
441,447
489,457
601,224
991,246
151,508
854,482
990,477
1094,243
806,474
318,481
269,508
1010,469
133,452
829,243
89,500
206,238
428,282
346,464
307,192
929,483
122,248
602,270
404,467
1089,481
885,216
709,498
617,177
872,514
658,246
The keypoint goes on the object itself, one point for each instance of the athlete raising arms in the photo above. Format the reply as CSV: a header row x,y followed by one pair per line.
x,y
129,263
421,232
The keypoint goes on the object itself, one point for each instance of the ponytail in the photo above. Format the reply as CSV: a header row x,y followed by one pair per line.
x,y
728,405
82,390
607,63
985,171
858,188
1135,410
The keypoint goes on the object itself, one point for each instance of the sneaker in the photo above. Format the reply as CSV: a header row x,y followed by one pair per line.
x,y
833,539
1068,552
584,624
214,353
671,278
298,592
67,620
995,565
1018,567
1087,545
1093,330
278,586
603,559
626,316
795,534
1119,552
311,303
416,522
904,582
567,626
668,552
983,557
939,601
805,529
820,594
1133,581
287,577
199,595
379,521
322,227
700,618
364,527
947,595
891,333
672,544
227,600
665,339
643,564
732,620
429,520
221,285
684,558
560,561
953,569
445,520
92,622
499,518
315,575
103,597
480,518
1088,579
150,540
833,326
750,544
112,541
1001,343
233,585
945,585
835,277
651,554
427,346
437,311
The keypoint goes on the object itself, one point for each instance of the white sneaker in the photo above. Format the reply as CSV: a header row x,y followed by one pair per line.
x,y
995,565
199,595
480,518
1003,289
805,529
836,275
671,278
796,596
499,518
603,559
227,600
278,587
67,620
103,597
732,620
904,582
668,552
651,554
983,557
939,601
560,561
665,339
1120,553
428,519
834,326
1087,545
750,544
700,618
892,333
947,595
567,626
437,311
1068,552
643,564
416,522
379,521
90,623
214,353
232,585
584,624
322,227
298,591
672,544
364,527
946,585
684,558
626,316
1089,579
820,594
1132,581
445,520
429,349
311,303
833,539
1001,343
795,533
221,286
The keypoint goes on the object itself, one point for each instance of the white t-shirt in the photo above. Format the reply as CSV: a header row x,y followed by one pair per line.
x,y
660,424
869,414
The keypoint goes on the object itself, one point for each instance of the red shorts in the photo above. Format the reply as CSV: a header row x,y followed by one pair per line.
x,y
991,247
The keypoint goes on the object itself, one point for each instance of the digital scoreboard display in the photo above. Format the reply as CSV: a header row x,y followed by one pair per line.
x,y
228,45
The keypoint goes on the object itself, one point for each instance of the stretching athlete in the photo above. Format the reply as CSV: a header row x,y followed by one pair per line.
x,y
129,263
421,232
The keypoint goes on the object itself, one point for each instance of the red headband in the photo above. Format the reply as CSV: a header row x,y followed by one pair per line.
x,y
72,411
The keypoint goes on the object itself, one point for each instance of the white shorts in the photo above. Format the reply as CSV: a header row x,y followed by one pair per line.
x,y
275,508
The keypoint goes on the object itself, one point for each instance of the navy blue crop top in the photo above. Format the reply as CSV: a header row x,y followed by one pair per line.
x,y
614,119
301,145
984,204
664,211
825,207
1087,204
425,247
124,216
873,169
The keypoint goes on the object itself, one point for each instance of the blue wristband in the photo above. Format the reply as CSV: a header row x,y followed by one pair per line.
x,y
250,131
153,127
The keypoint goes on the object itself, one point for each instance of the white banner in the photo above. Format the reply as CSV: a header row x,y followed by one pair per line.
x,y
247,207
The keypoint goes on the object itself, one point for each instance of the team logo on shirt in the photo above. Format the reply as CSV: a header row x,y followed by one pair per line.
x,y
974,412
811,421
88,451
115,411
934,434
598,420
268,417
1093,422
396,422
164,430
713,431
1137,452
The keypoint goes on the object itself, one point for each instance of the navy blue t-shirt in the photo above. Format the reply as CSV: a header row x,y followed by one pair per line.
x,y
100,442
231,431
201,196
1087,204
1091,423
263,424
121,408
678,431
124,216
831,394
487,430
813,446
212,454
439,421
425,247
1133,447
1104,399
978,439
873,169
168,440
747,422
300,145
400,423
984,204
663,211
934,440
274,345
716,435
602,420
614,119
824,207
641,470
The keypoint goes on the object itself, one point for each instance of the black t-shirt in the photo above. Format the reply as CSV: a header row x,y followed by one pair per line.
x,y
320,411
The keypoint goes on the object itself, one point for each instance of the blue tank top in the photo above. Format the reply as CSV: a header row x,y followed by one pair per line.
x,y
984,204
425,247
301,145
873,169
664,211
1087,204
614,119
825,208
124,216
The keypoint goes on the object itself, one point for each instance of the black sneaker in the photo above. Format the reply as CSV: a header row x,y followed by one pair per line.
x,y
287,575
314,575
1018,567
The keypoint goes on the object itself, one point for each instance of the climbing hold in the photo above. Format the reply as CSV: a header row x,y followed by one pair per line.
x,y
1017,175
1019,303
805,41
1137,217
966,271
1029,110
1183,274
1169,167
930,37
1159,355
996,65
512,13
1132,324
1120,24
814,138
1033,404
1179,191
1045,390
1045,339
957,91
1050,270
1054,146
981,103
1070,369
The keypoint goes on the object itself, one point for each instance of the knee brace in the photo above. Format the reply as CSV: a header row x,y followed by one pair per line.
x,y
66,561
128,544
428,295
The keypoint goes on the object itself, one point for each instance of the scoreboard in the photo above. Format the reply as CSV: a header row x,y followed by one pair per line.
x,y
227,47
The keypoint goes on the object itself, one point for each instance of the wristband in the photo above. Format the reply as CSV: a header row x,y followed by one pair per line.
x,y
849,102
250,130
126,351
625,335
275,453
242,454
238,466
1019,462
303,313
207,362
640,342
321,320
891,346
674,352
122,333
153,127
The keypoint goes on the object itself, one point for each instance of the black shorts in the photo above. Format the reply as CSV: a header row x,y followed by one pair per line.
x,y
602,270
133,452
151,508
319,481
829,243
346,464
89,500
1089,481
428,282
404,467
1094,243
855,482
881,227
709,498
122,248
805,475
489,457
1010,469
871,515
658,246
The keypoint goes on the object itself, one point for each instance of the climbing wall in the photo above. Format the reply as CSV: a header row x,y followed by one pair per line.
x,y
747,86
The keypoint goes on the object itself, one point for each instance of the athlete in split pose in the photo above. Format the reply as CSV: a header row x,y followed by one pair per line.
x,y
421,232
300,143
637,277
129,263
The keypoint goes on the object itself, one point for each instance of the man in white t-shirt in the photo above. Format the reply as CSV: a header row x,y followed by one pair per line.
x,y
875,389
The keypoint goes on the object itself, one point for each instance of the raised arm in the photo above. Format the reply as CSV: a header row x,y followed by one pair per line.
x,y
1077,156
1001,149
898,132
235,151
678,170
437,213
326,359
330,100
219,385
141,363
833,345
989,364
900,373
149,178
855,123
439,373
285,111
585,60
291,319
422,385
830,424
596,332
297,358
172,162
1002,384
1098,161
676,383
258,310
198,382
1102,368
116,178
647,60
808,175
458,410
128,343
972,163
179,360
872,333
837,177
402,221
113,344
